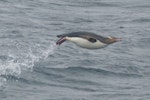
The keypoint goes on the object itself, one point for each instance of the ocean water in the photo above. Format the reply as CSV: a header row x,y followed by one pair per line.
x,y
33,67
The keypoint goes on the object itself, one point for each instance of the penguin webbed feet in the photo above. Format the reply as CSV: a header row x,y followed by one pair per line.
x,y
61,40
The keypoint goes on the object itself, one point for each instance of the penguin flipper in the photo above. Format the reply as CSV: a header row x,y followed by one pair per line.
x,y
89,38
93,40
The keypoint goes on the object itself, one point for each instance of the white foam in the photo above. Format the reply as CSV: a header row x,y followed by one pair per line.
x,y
22,58
10,68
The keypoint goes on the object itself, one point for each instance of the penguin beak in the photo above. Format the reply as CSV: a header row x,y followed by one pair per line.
x,y
61,40
118,39
115,39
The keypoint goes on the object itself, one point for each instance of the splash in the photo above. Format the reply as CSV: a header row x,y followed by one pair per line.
x,y
49,51
19,57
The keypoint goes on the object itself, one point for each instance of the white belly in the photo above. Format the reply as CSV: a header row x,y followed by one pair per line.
x,y
85,43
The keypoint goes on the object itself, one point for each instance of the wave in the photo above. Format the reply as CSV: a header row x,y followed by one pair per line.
x,y
91,4
98,71
62,73
141,20
76,78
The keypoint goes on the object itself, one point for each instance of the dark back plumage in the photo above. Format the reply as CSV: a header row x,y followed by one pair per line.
x,y
86,35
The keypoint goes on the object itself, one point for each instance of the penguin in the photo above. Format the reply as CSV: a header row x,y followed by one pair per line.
x,y
87,40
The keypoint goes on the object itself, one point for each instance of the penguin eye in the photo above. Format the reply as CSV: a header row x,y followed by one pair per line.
x,y
92,40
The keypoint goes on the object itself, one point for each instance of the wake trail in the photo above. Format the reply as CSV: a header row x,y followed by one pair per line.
x,y
22,57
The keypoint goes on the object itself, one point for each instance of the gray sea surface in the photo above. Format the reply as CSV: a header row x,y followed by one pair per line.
x,y
33,67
